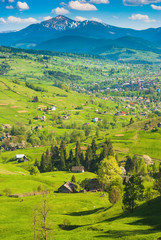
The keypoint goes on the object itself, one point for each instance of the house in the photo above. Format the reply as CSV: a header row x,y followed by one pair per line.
x,y
21,158
77,169
38,127
53,108
6,126
159,125
43,118
85,124
94,185
65,117
125,179
147,160
67,187
121,113
95,120
123,171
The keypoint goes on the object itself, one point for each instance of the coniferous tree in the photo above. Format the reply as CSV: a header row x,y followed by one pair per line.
x,y
70,160
77,154
104,152
110,148
94,156
129,166
62,152
82,160
43,163
88,159
55,157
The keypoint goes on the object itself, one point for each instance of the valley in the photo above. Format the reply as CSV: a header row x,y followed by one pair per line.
x,y
94,105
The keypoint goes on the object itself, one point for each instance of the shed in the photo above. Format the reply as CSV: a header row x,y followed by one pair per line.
x,y
77,169
67,187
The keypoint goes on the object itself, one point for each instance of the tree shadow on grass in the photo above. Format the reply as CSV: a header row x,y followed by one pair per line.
x,y
89,212
148,214
114,234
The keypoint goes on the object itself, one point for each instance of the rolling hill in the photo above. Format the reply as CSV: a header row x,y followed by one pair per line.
x,y
75,44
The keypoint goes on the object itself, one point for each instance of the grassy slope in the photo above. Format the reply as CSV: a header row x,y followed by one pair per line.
x,y
90,214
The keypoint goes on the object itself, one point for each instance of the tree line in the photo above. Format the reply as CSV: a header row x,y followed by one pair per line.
x,y
57,157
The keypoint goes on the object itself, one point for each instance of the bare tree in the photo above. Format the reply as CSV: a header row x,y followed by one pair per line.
x,y
41,225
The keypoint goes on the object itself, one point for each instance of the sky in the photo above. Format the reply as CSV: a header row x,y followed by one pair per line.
x,y
136,14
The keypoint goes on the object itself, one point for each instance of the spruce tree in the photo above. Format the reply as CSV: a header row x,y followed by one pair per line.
x,y
77,154
88,158
70,160
55,157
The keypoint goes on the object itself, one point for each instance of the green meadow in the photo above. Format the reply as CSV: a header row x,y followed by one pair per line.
x,y
90,214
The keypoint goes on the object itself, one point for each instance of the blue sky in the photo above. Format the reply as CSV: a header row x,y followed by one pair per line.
x,y
137,14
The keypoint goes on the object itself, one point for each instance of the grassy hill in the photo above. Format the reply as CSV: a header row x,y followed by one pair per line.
x,y
89,214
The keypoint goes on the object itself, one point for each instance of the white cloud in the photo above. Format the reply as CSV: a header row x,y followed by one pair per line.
x,y
11,1
81,19
47,18
60,11
96,19
100,1
81,6
115,17
139,2
141,17
156,7
22,6
2,20
13,19
9,7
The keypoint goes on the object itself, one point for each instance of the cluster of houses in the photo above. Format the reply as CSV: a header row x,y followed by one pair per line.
x,y
43,118
93,185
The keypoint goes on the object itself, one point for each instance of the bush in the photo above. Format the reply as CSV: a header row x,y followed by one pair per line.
x,y
7,191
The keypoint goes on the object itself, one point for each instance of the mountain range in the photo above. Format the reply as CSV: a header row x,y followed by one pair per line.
x,y
66,35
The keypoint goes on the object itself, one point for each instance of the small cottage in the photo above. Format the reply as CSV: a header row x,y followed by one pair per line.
x,y
21,158
77,169
53,108
67,187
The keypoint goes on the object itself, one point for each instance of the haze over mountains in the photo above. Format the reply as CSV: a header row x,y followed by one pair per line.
x,y
67,35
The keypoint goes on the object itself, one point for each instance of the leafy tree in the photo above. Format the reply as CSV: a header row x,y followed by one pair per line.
x,y
157,184
133,191
108,171
148,194
115,194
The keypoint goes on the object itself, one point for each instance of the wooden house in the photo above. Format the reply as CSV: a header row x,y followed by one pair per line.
x,y
67,187
77,169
